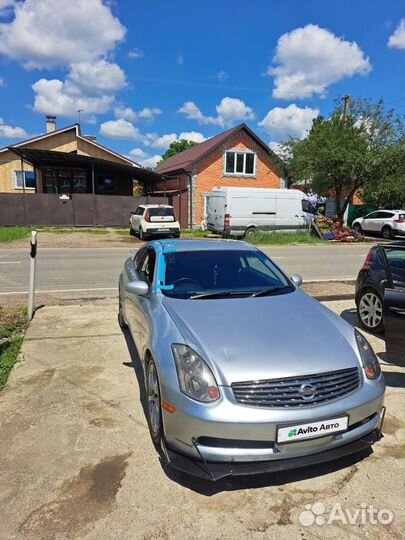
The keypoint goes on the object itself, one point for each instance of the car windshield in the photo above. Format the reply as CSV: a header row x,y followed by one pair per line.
x,y
222,273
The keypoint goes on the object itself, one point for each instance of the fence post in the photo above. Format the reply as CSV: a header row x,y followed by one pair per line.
x,y
33,263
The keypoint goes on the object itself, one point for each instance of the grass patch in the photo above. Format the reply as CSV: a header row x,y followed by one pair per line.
x,y
9,234
12,327
9,351
283,239
194,233
122,232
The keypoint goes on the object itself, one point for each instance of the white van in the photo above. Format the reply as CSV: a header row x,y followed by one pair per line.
x,y
233,211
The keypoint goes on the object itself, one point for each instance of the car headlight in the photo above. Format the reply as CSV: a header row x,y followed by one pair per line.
x,y
195,377
369,360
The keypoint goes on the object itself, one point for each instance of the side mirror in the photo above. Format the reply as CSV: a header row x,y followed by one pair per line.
x,y
137,287
297,280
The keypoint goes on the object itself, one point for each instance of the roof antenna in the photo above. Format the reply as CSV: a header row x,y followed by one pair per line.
x,y
80,111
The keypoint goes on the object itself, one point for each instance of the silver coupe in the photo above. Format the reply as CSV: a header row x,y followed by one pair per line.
x,y
244,373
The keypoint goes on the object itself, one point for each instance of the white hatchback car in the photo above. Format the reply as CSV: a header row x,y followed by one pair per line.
x,y
154,220
388,223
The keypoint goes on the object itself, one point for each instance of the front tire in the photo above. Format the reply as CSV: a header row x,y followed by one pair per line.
x,y
121,320
387,233
131,230
370,311
154,403
357,228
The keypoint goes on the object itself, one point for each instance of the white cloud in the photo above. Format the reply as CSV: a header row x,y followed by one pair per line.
x,y
194,136
229,111
292,121
397,39
136,54
123,129
309,59
146,113
9,132
2,82
138,153
100,76
180,59
90,87
151,161
120,129
222,76
45,34
145,159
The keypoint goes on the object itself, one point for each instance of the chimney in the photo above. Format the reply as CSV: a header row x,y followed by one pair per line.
x,y
50,123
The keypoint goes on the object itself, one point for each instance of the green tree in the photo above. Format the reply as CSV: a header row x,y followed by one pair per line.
x,y
347,151
175,148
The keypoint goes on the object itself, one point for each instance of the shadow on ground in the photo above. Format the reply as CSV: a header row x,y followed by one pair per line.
x,y
208,488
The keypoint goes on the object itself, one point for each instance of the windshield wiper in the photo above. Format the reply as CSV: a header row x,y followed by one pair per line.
x,y
271,290
219,294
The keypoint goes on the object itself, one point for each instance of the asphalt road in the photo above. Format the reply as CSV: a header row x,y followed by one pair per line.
x,y
84,269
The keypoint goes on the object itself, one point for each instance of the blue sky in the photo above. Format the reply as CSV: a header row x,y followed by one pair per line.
x,y
146,73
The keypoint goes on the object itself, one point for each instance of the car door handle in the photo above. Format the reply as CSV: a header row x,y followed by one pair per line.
x,y
397,310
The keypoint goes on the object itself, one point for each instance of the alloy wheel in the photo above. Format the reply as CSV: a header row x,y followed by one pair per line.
x,y
154,407
370,310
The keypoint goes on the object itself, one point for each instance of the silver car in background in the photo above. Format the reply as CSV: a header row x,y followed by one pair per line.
x,y
244,373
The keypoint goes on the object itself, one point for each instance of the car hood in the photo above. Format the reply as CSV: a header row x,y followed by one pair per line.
x,y
246,339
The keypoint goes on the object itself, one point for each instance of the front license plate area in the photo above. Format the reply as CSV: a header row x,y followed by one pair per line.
x,y
312,430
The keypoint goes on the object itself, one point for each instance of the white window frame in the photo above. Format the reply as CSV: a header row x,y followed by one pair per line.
x,y
241,174
16,172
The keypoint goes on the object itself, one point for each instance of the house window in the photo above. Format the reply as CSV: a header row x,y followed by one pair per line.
x,y
240,163
29,179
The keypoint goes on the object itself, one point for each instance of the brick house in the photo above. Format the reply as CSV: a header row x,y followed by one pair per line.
x,y
234,158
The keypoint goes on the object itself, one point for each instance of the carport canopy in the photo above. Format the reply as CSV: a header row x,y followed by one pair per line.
x,y
49,158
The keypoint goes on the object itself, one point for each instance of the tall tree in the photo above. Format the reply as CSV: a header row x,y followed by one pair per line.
x,y
347,151
175,148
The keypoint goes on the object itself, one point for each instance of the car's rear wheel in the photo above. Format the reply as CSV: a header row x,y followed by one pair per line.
x,y
251,231
370,310
386,233
357,228
141,234
154,404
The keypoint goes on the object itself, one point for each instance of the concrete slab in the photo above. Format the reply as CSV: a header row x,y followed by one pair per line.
x,y
77,462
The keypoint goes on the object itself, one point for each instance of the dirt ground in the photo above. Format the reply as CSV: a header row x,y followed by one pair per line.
x,y
77,461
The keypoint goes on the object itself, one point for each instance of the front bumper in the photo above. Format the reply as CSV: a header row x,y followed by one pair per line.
x,y
216,470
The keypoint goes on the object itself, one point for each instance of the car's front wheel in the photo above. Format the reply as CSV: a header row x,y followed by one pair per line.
x,y
357,228
370,310
154,404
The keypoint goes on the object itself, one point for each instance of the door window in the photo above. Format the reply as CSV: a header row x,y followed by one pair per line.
x,y
148,266
396,264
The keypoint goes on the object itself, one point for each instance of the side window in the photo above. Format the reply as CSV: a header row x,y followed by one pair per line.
x,y
139,211
386,215
373,215
396,264
148,266
138,259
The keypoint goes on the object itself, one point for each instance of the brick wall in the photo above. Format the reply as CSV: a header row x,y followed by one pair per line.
x,y
210,172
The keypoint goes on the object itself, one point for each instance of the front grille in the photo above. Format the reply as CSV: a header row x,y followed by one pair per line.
x,y
285,392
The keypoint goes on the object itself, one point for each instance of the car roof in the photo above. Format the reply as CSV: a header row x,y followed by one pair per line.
x,y
201,245
155,205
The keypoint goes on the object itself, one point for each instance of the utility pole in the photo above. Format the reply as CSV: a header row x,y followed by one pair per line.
x,y
346,105
80,111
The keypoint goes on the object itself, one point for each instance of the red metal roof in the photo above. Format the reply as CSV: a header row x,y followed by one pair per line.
x,y
186,159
